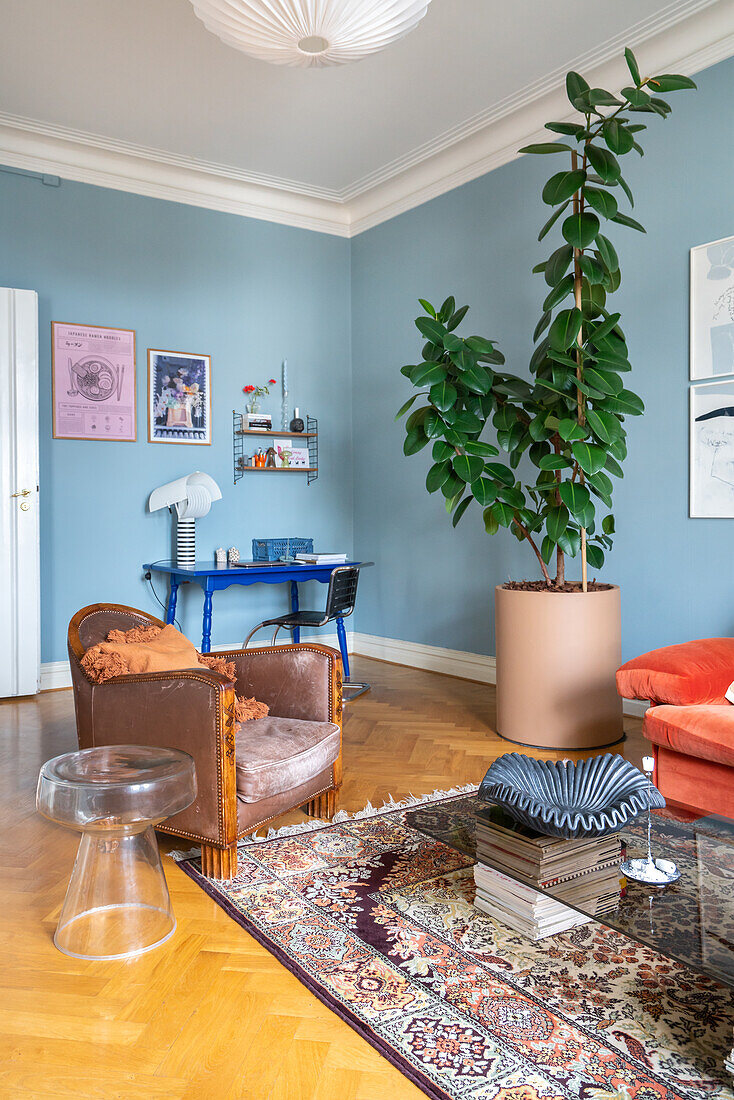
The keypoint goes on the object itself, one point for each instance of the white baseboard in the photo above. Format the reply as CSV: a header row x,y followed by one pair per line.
x,y
450,662
57,674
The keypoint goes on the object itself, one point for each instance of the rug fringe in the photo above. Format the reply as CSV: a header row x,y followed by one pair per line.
x,y
368,811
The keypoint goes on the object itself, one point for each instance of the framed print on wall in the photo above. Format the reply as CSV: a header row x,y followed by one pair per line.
x,y
712,450
93,379
712,309
179,397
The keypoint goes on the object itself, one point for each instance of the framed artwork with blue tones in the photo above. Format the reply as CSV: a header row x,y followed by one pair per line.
x,y
712,309
179,397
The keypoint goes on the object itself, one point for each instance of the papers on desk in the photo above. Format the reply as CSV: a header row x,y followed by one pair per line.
x,y
321,559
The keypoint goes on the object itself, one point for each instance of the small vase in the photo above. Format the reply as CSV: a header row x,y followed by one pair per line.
x,y
253,406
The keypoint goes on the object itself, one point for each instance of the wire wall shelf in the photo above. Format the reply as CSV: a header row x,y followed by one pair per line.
x,y
244,438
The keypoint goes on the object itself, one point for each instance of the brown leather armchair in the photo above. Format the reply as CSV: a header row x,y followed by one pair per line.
x,y
271,766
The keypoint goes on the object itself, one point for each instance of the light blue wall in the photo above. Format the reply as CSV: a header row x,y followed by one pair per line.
x,y
247,293
434,584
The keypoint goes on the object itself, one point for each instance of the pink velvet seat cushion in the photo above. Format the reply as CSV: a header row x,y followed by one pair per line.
x,y
705,732
277,754
693,672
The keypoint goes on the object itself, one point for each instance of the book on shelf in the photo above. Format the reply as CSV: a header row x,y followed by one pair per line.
x,y
259,422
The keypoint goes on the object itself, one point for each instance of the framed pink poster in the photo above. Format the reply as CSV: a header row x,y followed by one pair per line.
x,y
93,370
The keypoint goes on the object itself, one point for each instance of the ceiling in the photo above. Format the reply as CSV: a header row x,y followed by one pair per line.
x,y
148,73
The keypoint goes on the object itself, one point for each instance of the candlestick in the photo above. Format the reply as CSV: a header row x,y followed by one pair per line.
x,y
655,872
284,407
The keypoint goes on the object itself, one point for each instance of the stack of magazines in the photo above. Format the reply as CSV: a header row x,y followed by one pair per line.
x,y
513,860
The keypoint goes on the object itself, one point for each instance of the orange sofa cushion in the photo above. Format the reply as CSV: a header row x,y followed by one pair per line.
x,y
693,672
705,732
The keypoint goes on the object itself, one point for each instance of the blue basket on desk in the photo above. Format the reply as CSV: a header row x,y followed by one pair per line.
x,y
275,549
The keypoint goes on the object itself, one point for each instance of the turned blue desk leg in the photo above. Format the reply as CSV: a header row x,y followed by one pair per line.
x,y
294,609
172,596
342,635
206,631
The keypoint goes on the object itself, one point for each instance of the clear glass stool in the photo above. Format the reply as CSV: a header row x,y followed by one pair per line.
x,y
117,901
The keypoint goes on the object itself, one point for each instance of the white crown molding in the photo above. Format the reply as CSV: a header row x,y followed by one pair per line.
x,y
88,158
686,36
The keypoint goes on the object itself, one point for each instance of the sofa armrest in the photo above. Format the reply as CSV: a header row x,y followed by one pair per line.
x,y
191,710
296,681
681,675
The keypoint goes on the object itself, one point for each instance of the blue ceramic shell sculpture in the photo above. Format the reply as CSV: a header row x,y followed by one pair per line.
x,y
560,798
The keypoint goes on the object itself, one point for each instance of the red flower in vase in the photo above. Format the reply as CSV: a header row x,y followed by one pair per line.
x,y
248,389
272,382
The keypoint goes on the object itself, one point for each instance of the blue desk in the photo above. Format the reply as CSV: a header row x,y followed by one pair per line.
x,y
212,578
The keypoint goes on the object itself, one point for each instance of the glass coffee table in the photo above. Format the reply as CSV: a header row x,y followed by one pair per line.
x,y
692,920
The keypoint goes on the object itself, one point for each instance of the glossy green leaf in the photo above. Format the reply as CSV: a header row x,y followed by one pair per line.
x,y
437,476
571,129
477,379
433,425
491,526
479,345
626,403
589,456
430,328
600,97
607,525
580,229
414,442
558,293
453,487
565,328
632,65
575,86
570,430
543,323
484,490
500,473
554,462
617,136
447,309
460,510
604,163
443,396
562,186
546,147
637,98
546,549
670,82
604,203
622,219
557,521
441,451
457,317
552,221
575,497
468,467
479,447
604,425
593,270
503,513
607,253
594,555
404,408
603,381
427,307
557,264
427,374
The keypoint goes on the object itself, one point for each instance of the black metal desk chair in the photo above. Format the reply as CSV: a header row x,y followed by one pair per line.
x,y
340,600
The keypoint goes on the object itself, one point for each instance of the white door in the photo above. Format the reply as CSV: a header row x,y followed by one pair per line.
x,y
20,605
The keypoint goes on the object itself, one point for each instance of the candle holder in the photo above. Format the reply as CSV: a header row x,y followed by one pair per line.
x,y
655,872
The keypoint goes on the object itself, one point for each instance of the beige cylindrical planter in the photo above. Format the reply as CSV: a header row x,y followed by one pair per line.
x,y
557,653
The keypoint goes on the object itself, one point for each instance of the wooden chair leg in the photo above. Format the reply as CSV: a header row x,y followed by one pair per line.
x,y
324,805
219,863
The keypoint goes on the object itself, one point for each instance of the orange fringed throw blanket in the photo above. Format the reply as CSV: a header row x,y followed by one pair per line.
x,y
160,649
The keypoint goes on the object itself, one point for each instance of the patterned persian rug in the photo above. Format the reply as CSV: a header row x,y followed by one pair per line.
x,y
376,919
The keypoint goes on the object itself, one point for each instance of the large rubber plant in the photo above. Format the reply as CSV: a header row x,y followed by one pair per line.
x,y
568,416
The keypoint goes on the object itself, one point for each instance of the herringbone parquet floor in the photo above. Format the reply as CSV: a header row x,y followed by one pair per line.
x,y
211,1014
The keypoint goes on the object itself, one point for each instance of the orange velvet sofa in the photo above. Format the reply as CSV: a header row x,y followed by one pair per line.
x,y
690,722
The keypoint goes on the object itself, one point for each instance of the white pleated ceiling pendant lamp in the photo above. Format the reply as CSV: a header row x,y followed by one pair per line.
x,y
310,33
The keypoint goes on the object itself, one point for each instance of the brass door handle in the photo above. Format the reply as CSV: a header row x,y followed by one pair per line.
x,y
22,493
